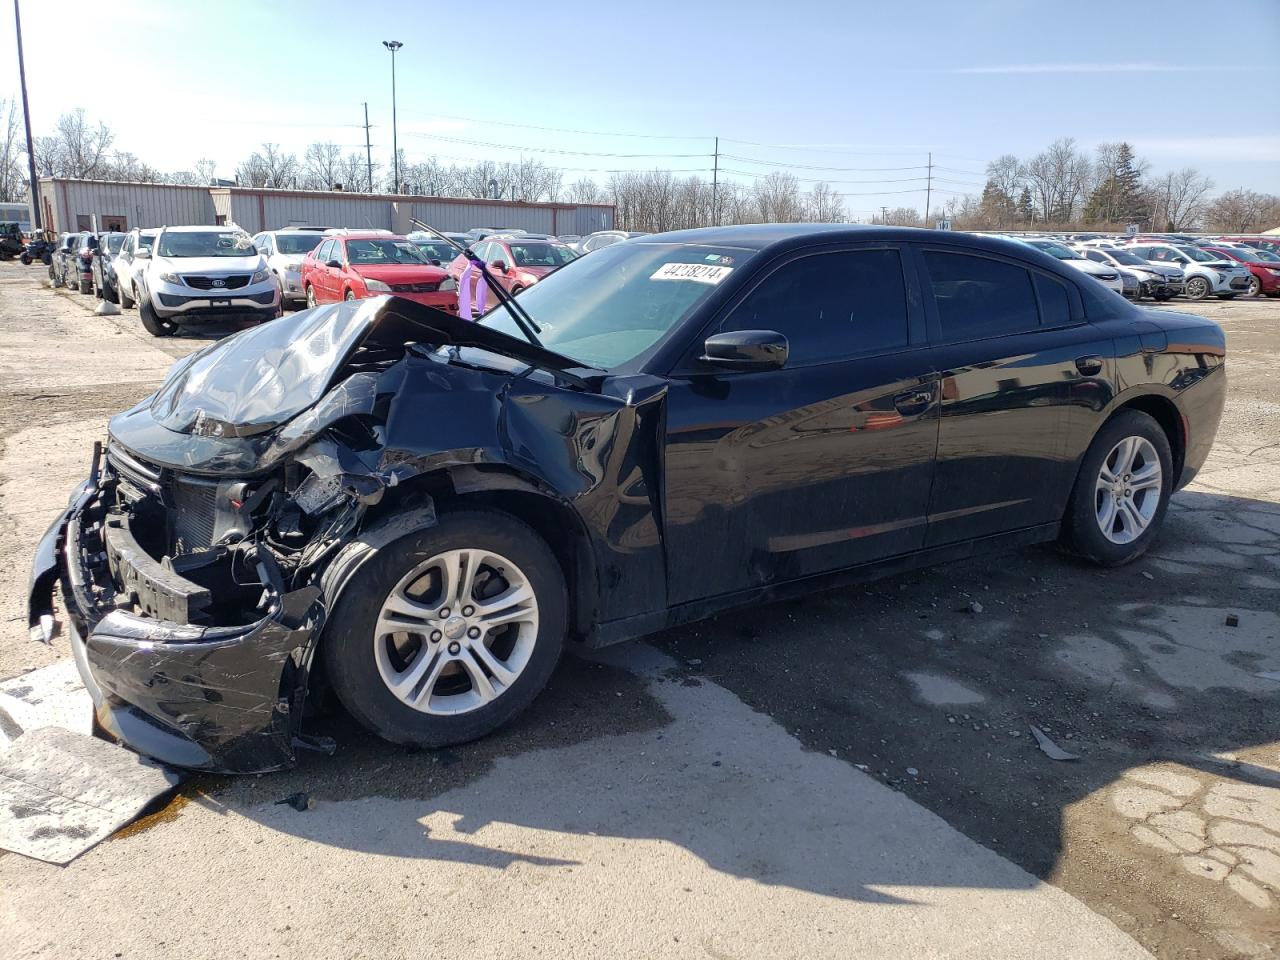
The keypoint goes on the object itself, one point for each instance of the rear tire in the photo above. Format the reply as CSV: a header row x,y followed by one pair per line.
x,y
153,323
86,286
311,296
1111,517
349,296
445,700
126,301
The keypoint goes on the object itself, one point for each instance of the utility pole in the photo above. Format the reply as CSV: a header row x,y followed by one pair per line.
x,y
928,190
26,119
368,148
715,184
884,215
393,46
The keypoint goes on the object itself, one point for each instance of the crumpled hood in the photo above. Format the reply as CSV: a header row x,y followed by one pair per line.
x,y
259,378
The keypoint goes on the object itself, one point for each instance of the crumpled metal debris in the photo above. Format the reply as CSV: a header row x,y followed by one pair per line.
x,y
1048,747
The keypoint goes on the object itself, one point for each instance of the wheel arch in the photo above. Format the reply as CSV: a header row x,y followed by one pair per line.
x,y
415,503
1164,412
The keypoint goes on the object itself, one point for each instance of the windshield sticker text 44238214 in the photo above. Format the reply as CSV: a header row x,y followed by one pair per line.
x,y
698,272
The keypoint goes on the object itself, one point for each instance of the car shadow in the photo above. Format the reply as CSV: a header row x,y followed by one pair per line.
x,y
744,739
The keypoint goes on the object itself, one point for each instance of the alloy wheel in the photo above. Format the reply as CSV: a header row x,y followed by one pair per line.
x,y
1255,286
456,631
1197,288
311,296
1128,490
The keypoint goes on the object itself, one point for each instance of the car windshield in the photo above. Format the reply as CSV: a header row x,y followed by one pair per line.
x,y
1266,256
369,252
1126,258
530,254
205,243
1056,250
114,242
437,250
295,243
1200,256
610,307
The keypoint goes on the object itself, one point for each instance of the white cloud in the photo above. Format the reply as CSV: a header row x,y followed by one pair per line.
x,y
1095,68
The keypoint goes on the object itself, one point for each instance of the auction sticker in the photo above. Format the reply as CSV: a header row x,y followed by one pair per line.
x,y
697,272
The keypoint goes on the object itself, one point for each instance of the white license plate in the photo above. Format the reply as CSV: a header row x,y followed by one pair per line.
x,y
220,303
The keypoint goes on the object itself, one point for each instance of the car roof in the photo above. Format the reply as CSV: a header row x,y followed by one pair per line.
x,y
766,236
367,235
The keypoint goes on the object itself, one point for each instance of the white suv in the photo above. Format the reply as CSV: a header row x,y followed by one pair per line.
x,y
203,273
284,251
1203,273
127,264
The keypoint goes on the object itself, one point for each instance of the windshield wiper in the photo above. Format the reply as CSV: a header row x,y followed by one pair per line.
x,y
528,326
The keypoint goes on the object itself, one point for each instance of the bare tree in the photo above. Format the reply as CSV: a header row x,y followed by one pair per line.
x,y
585,190
824,205
13,181
322,163
903,217
777,198
83,146
1058,178
1242,211
1177,200
205,170
269,166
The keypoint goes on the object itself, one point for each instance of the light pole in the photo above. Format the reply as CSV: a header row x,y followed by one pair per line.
x,y
393,46
26,119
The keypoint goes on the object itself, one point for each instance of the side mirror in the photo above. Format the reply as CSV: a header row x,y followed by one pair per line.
x,y
143,254
435,262
335,264
746,350
500,265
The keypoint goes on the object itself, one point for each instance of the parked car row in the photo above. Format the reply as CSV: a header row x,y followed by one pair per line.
x,y
1164,266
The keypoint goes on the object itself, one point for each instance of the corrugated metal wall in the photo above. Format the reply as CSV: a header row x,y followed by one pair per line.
x,y
139,204
151,205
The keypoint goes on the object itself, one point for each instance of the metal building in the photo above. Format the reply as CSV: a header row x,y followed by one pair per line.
x,y
72,205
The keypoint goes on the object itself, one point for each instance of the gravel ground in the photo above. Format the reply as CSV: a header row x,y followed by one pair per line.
x,y
848,774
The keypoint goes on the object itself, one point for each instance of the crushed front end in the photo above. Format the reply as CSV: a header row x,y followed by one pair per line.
x,y
195,654
227,511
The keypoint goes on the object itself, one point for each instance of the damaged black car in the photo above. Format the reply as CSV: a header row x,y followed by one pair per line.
x,y
423,512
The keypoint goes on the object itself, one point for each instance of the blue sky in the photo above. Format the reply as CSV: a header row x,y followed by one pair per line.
x,y
843,91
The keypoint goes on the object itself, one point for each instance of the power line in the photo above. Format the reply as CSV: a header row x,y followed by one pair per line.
x,y
569,153
810,166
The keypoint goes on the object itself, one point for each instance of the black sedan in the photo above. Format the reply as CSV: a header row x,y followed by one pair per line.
x,y
424,512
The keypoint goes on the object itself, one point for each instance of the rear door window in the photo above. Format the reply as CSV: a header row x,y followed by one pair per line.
x,y
979,297
830,306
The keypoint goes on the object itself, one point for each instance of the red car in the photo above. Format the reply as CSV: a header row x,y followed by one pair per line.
x,y
515,262
1270,244
1264,266
358,265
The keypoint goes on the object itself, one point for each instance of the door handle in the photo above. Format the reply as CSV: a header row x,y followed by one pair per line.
x,y
913,401
1089,366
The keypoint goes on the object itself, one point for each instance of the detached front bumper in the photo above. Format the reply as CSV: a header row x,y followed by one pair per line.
x,y
224,699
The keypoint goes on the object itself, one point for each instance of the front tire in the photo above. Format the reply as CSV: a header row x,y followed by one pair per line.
x,y
1255,287
86,286
153,323
446,649
1197,288
1121,491
126,301
349,296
